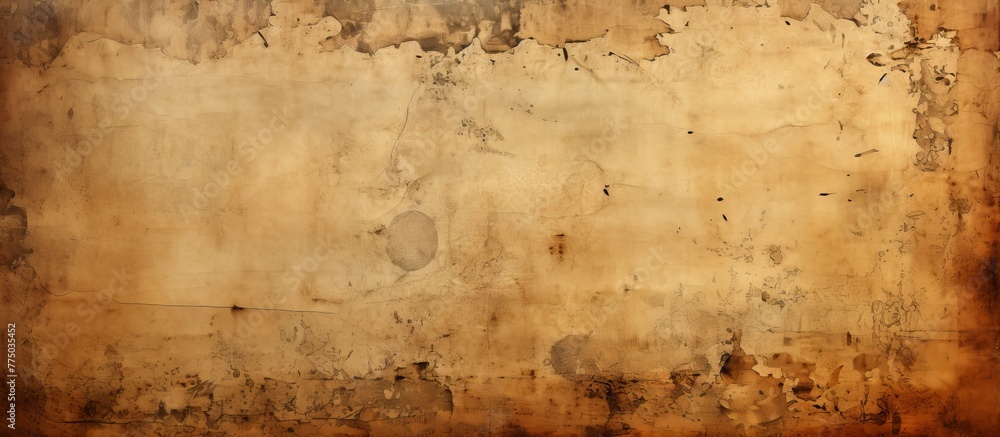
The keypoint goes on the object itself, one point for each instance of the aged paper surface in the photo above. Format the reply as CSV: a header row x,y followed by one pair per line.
x,y
517,217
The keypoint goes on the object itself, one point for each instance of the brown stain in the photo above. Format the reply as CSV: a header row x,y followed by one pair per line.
x,y
40,29
557,246
453,24
976,23
13,228
844,9
630,26
796,369
749,399
412,240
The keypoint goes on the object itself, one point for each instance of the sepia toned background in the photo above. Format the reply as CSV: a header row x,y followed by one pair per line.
x,y
519,217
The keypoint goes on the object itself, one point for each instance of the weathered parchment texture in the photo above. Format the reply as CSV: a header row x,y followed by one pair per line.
x,y
501,217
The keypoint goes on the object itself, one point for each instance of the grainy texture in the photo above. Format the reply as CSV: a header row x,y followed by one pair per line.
x,y
501,217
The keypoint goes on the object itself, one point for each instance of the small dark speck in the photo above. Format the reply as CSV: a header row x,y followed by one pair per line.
x,y
70,113
883,77
237,308
606,192
576,68
825,194
690,132
725,218
719,199
263,39
787,23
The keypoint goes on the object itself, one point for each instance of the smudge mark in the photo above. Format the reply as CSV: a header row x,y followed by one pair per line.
x,y
774,252
623,397
13,228
564,356
436,27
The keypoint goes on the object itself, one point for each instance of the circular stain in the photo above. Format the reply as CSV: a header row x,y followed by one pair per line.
x,y
413,240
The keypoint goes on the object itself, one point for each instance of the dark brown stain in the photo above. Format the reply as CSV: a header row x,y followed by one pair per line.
x,y
800,370
13,228
622,397
557,246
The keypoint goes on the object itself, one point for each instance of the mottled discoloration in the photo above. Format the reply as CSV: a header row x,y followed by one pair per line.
x,y
489,217
798,9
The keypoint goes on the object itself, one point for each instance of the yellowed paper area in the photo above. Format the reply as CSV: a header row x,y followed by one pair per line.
x,y
522,217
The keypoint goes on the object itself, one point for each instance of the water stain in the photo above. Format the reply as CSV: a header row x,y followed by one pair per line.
x,y
413,240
